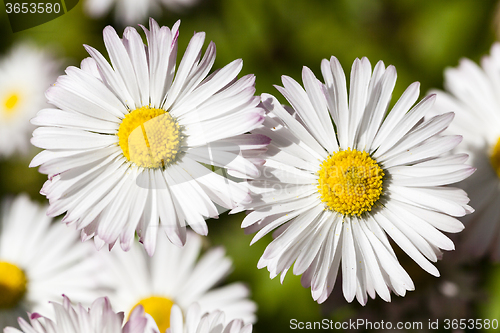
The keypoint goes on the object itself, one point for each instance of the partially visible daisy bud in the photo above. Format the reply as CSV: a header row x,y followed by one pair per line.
x,y
472,92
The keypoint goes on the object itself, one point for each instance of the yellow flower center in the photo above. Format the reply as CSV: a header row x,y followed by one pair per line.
x,y
13,285
495,158
159,308
10,103
350,182
150,138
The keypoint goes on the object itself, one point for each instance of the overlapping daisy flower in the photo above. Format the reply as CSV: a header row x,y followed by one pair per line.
x,y
25,73
99,318
175,276
39,261
127,144
334,191
195,321
472,93
133,11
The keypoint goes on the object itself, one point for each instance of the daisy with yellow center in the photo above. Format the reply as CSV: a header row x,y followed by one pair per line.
x,y
341,176
38,266
12,285
127,143
25,73
175,276
472,91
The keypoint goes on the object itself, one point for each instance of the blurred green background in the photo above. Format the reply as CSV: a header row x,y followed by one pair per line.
x,y
277,37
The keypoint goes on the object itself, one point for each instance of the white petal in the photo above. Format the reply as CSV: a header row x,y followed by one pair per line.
x,y
405,125
429,149
358,93
336,96
380,97
190,58
387,220
59,118
122,65
137,53
50,138
440,199
271,104
398,112
349,279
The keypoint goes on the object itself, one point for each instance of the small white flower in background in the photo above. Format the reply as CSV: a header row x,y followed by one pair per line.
x,y
99,318
40,261
179,5
174,276
126,12
333,197
25,74
134,11
128,144
473,93
195,321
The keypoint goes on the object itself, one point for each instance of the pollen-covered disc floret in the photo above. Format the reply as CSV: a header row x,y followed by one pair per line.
x,y
10,103
149,137
350,182
12,285
495,158
159,308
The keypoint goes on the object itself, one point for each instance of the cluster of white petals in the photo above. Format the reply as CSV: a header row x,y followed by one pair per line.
x,y
99,318
472,93
210,322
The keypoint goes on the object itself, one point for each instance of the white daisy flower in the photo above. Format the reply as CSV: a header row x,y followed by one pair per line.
x,y
335,190
126,145
197,322
472,93
25,73
174,276
40,261
99,318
